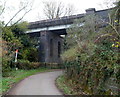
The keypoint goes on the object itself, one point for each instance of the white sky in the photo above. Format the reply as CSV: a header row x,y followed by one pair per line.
x,y
80,6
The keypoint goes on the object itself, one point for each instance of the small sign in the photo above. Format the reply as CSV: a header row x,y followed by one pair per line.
x,y
16,53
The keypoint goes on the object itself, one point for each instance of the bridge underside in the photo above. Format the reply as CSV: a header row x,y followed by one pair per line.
x,y
50,31
50,46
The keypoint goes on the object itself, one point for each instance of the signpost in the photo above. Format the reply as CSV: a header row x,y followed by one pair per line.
x,y
16,53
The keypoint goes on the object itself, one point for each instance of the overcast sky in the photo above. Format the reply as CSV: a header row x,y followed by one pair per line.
x,y
37,12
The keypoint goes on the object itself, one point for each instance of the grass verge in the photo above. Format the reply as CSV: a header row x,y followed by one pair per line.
x,y
68,86
61,84
0,83
16,76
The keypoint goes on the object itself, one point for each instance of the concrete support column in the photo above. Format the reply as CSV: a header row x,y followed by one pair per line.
x,y
50,47
42,47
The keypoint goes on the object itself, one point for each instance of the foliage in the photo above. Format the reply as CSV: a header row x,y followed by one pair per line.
x,y
118,10
63,86
6,57
25,40
10,38
95,71
26,65
94,63
9,44
15,38
70,54
84,30
30,54
20,28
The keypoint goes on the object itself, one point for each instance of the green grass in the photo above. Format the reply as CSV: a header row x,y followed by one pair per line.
x,y
61,84
0,86
15,76
69,87
70,55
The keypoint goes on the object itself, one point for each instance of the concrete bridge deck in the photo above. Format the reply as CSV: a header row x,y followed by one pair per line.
x,y
49,33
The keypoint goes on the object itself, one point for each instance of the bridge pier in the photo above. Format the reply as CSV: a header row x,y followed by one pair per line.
x,y
50,47
50,30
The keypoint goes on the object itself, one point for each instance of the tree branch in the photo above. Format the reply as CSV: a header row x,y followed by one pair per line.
x,y
21,18
15,15
3,9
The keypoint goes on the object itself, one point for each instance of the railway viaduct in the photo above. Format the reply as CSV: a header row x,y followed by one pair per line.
x,y
49,32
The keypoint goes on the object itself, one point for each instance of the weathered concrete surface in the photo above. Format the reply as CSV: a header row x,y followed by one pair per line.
x,y
39,84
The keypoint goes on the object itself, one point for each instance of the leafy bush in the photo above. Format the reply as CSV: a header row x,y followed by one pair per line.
x,y
30,53
6,58
94,63
93,70
70,54
52,65
35,65
25,64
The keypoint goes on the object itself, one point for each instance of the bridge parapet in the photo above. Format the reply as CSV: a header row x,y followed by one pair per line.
x,y
67,20
55,22
50,30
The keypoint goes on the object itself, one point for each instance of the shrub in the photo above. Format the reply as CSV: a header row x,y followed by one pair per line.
x,y
35,65
95,71
23,64
30,53
51,65
6,58
70,54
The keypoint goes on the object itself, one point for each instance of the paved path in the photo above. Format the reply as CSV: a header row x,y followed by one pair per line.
x,y
39,84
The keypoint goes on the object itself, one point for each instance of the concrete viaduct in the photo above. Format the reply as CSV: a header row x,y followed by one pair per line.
x,y
49,32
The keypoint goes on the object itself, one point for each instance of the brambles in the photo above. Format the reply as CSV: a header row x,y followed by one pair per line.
x,y
92,62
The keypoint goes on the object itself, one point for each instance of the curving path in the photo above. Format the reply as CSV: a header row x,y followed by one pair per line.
x,y
39,84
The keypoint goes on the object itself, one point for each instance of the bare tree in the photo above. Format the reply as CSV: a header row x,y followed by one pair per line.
x,y
2,7
18,14
108,4
69,10
114,17
57,9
